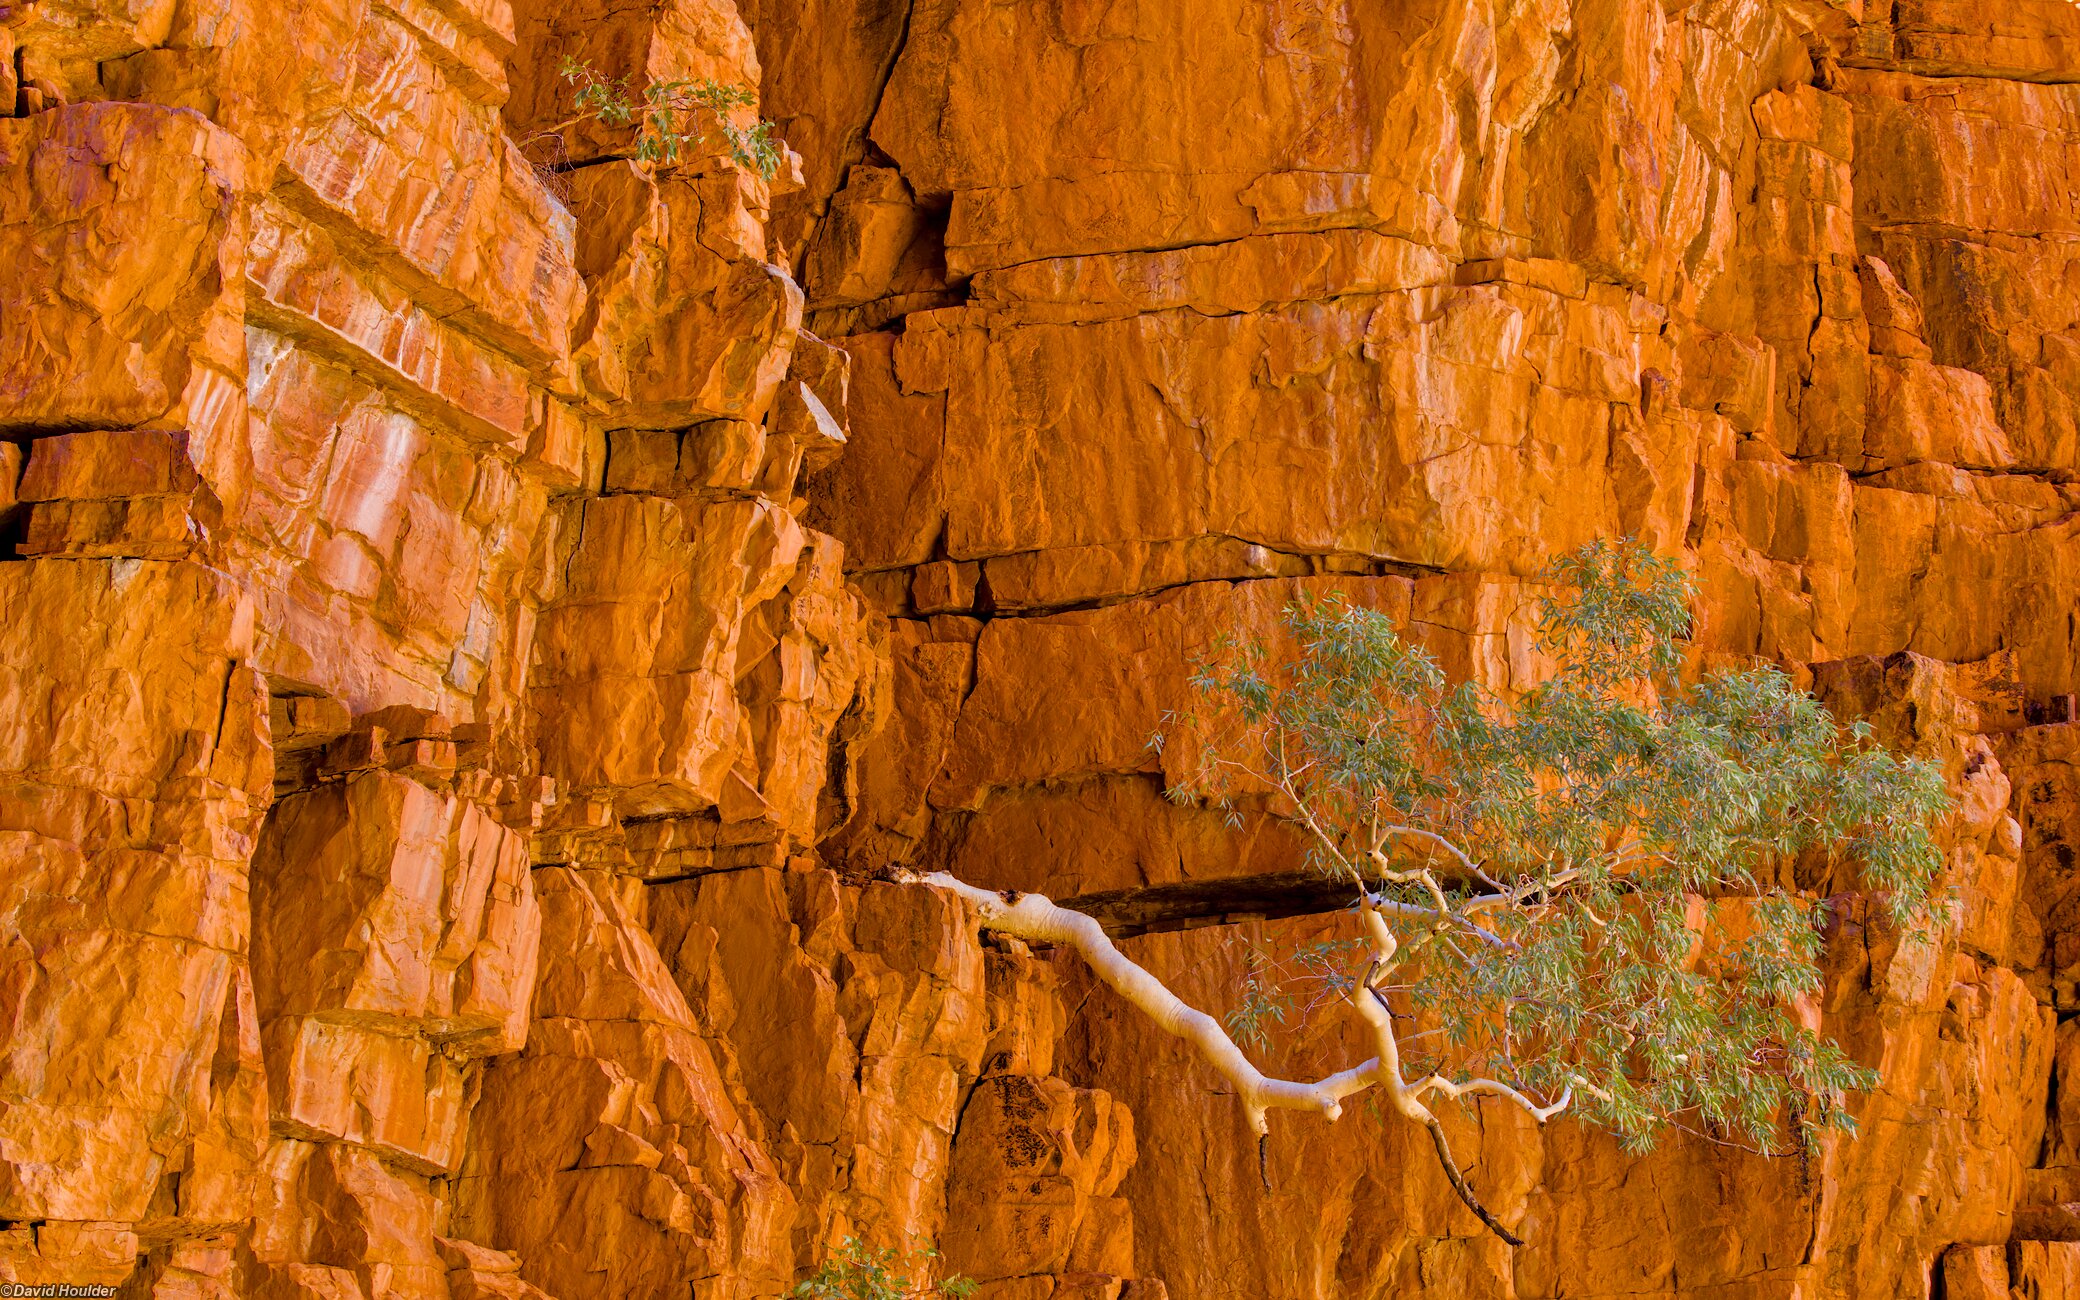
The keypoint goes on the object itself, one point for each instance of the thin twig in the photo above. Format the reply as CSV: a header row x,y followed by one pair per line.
x,y
1459,1185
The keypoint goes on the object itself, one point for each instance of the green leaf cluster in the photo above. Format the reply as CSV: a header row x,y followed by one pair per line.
x,y
671,117
1610,848
859,1272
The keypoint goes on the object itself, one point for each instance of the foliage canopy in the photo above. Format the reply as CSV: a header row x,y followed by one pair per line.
x,y
1586,885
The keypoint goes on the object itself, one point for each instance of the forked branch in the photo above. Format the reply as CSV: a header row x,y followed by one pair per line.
x,y
1037,919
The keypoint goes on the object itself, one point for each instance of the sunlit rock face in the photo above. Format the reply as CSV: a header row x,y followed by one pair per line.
x,y
477,614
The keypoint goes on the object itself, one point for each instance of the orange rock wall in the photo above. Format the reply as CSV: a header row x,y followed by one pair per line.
x,y
475,614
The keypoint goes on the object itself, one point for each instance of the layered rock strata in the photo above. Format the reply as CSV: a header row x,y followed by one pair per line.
x,y
477,614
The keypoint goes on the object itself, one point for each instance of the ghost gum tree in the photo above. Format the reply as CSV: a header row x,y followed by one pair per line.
x,y
1533,884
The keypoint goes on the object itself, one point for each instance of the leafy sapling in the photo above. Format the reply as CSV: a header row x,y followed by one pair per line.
x,y
673,118
1578,894
858,1272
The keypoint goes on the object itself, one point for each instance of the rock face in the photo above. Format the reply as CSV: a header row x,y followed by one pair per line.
x,y
477,612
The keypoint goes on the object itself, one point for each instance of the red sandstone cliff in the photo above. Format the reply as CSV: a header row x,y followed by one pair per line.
x,y
467,629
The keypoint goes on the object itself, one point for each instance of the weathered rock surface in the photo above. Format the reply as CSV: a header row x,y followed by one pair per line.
x,y
477,612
